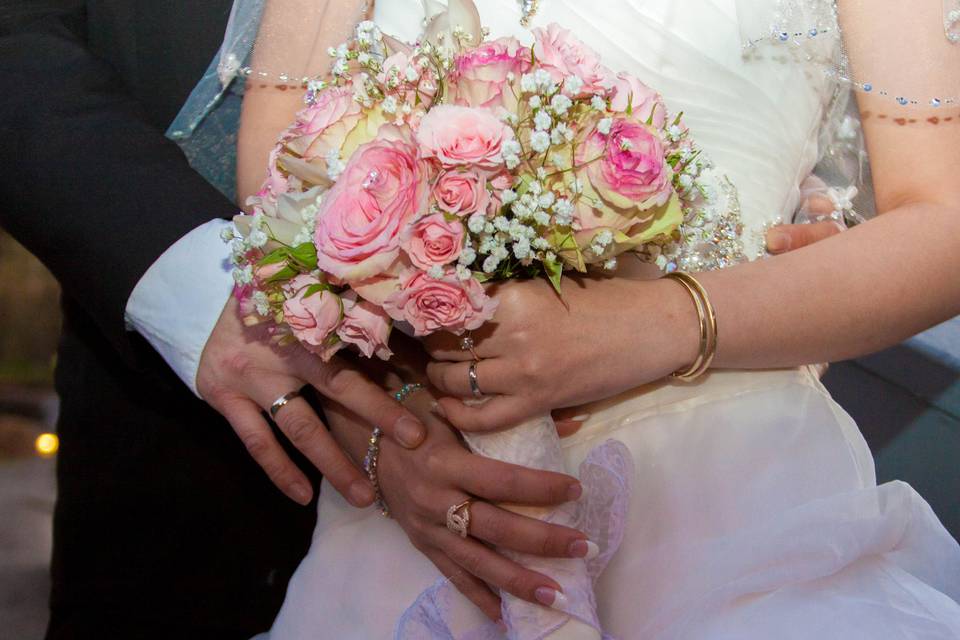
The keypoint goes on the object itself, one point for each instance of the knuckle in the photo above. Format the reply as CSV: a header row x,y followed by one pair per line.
x,y
517,584
236,364
336,381
300,427
434,461
256,445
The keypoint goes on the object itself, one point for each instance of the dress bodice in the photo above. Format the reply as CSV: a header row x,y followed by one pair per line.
x,y
757,116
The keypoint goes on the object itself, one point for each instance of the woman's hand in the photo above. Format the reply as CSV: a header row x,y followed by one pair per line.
x,y
542,352
420,488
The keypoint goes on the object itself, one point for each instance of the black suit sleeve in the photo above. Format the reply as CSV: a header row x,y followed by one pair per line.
x,y
86,182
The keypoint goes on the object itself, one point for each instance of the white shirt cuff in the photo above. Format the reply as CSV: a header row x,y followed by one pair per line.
x,y
178,301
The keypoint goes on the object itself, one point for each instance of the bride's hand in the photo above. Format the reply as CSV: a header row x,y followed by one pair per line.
x,y
419,486
541,353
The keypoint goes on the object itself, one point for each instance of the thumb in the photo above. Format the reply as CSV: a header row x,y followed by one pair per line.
x,y
789,237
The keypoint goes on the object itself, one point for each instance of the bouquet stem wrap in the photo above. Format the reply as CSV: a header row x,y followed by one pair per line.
x,y
535,444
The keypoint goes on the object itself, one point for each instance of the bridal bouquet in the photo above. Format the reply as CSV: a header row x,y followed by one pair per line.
x,y
417,173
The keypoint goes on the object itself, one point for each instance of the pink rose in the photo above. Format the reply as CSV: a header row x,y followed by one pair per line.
x,y
448,303
633,172
323,125
457,135
461,193
359,222
433,240
559,52
480,74
313,318
367,326
644,101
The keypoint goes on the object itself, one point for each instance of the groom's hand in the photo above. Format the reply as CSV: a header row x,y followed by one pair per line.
x,y
241,375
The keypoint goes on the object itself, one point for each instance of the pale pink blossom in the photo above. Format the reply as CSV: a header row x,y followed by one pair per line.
x,y
645,103
366,326
433,304
481,74
433,240
313,315
382,189
563,55
457,136
461,193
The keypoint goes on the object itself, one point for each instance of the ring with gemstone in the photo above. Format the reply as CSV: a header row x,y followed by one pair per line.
x,y
467,343
458,518
474,380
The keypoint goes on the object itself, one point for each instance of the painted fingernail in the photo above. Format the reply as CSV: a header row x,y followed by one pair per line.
x,y
574,492
777,241
360,494
437,408
301,493
409,432
583,417
584,549
550,597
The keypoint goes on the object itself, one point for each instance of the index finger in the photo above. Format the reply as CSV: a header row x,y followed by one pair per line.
x,y
497,481
350,388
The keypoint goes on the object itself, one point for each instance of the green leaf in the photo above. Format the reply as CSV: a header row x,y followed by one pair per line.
x,y
554,274
306,255
275,257
630,105
283,275
315,289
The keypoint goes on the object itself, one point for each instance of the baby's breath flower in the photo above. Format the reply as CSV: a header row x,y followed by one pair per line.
x,y
227,234
262,303
535,102
610,265
542,120
521,249
435,272
561,104
598,103
528,83
540,244
389,104
542,218
508,196
605,125
573,85
490,264
258,238
463,273
476,223
468,256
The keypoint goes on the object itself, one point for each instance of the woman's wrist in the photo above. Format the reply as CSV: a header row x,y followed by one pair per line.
x,y
674,334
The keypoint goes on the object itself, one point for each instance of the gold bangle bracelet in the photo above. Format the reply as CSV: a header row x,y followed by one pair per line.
x,y
707,316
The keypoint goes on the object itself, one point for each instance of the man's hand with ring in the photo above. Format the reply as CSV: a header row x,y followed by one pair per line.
x,y
242,376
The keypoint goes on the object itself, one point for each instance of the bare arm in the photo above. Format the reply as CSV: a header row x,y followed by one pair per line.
x,y
846,296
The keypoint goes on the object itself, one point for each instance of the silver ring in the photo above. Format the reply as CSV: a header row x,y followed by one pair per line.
x,y
474,380
282,401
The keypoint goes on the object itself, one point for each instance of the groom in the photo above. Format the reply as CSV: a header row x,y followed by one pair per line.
x,y
165,525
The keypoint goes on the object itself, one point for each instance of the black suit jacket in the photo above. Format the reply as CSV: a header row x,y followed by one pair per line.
x,y
164,528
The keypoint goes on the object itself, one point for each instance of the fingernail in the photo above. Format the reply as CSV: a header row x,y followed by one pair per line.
x,y
583,417
361,495
574,492
777,241
409,432
584,549
301,494
438,409
550,597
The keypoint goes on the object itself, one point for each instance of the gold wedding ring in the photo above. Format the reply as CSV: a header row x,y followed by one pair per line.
x,y
458,518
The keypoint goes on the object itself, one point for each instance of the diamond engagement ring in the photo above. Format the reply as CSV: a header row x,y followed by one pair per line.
x,y
467,344
458,518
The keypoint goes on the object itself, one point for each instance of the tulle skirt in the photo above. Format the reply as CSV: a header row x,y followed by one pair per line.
x,y
754,513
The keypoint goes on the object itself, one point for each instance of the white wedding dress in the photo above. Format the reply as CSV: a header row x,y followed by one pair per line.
x,y
755,512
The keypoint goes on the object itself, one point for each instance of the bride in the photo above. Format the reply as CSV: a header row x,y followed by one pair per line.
x,y
755,511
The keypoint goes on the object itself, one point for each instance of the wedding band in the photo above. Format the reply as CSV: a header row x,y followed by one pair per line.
x,y
467,344
282,401
458,518
474,380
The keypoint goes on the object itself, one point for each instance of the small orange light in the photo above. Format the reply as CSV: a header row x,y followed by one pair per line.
x,y
47,445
